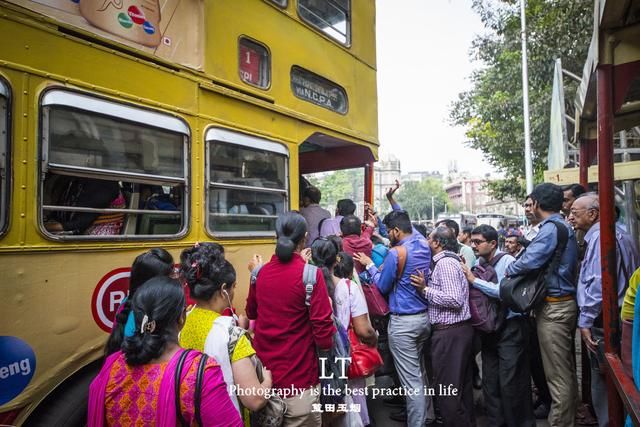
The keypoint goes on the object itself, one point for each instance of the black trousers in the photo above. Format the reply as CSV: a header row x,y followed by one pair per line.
x,y
450,353
535,362
506,378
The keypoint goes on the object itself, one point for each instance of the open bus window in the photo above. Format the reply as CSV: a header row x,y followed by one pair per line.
x,y
4,156
332,17
111,171
247,184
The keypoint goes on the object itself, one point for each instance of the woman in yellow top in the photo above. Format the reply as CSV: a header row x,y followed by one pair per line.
x,y
212,281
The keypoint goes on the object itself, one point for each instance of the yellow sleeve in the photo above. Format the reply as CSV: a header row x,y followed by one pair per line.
x,y
628,306
243,349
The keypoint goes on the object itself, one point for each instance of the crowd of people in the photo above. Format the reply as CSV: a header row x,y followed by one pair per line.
x,y
168,363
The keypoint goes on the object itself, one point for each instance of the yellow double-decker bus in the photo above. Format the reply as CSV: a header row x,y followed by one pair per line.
x,y
129,124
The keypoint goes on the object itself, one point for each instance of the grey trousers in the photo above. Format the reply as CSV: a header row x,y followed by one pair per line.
x,y
407,337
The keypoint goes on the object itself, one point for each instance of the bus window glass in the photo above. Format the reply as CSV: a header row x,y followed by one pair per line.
x,y
247,184
254,63
108,177
4,155
329,16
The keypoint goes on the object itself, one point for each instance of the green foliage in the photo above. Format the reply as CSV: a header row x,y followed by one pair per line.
x,y
491,111
415,198
342,184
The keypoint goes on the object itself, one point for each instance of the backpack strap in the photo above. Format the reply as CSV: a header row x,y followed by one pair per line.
x,y
197,398
563,236
402,260
496,259
254,274
320,225
309,281
178,374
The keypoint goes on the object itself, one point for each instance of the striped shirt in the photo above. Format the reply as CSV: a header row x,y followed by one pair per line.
x,y
447,291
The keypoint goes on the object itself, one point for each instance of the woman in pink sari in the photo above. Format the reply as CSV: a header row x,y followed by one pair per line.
x,y
137,386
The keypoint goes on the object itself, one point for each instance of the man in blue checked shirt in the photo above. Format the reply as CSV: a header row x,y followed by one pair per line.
x,y
585,216
556,316
506,382
409,325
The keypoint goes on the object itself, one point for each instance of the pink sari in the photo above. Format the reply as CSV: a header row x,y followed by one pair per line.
x,y
216,407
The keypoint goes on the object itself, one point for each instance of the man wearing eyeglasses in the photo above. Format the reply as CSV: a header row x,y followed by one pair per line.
x,y
505,363
585,216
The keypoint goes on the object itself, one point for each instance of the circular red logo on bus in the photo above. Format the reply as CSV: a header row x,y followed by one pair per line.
x,y
109,293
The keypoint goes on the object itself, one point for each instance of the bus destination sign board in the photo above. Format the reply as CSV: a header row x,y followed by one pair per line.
x,y
318,90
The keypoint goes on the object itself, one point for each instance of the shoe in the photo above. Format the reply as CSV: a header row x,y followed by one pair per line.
x,y
477,381
541,412
400,415
394,401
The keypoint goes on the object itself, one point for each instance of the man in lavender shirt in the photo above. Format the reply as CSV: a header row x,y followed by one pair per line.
x,y
312,213
585,216
331,226
447,293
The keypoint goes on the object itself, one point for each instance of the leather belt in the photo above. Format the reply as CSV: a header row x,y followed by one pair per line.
x,y
409,314
559,299
442,326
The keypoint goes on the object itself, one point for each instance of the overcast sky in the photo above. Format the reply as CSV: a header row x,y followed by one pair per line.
x,y
423,63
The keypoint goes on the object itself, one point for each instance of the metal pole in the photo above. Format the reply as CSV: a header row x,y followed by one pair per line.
x,y
433,210
629,194
610,311
528,164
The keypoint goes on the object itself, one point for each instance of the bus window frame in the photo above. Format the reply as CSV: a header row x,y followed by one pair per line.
x,y
348,42
112,109
282,4
5,151
243,140
268,60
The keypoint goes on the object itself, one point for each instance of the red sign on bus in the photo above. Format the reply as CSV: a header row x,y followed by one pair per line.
x,y
109,293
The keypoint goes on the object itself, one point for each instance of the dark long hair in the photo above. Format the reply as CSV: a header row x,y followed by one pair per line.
x,y
154,262
323,254
291,229
205,270
162,300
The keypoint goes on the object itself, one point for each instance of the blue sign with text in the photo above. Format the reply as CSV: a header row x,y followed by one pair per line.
x,y
17,366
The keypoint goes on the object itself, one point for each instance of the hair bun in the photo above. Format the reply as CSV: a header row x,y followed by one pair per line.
x,y
285,248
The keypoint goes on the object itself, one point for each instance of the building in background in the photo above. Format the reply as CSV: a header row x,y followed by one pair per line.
x,y
385,173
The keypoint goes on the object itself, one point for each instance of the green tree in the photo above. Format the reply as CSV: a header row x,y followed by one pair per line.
x,y
491,111
415,198
342,184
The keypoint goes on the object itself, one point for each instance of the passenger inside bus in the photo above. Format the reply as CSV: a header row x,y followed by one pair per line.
x,y
89,193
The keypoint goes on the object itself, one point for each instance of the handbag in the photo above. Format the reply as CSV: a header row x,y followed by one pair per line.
x,y
376,303
364,359
197,398
271,414
524,292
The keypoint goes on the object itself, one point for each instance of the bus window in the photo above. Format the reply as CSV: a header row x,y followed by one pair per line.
x,y
332,17
281,3
4,155
254,64
248,184
111,170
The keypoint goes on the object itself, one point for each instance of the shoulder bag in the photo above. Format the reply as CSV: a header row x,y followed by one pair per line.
x,y
524,292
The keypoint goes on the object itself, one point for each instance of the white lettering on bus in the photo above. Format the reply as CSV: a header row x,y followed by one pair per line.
x,y
22,367
115,298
